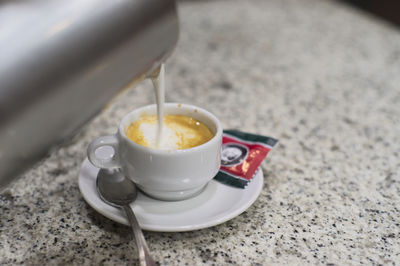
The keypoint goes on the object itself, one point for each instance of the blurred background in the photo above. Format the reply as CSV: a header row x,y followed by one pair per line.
x,y
387,9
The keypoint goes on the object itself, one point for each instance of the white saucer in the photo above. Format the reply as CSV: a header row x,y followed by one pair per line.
x,y
217,203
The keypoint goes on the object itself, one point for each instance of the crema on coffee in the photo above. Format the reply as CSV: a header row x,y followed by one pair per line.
x,y
178,132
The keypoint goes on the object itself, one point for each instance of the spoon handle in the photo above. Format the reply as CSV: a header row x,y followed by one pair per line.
x,y
144,253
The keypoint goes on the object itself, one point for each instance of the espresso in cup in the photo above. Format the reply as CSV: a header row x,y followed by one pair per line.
x,y
179,132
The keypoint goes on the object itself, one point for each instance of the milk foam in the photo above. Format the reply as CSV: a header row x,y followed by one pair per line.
x,y
168,139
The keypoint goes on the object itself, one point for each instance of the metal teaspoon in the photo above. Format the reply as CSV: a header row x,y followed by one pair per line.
x,y
117,190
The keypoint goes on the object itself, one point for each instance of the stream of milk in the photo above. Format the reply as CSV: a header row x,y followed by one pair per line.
x,y
159,89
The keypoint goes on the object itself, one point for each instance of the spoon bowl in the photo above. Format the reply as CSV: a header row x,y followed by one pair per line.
x,y
114,188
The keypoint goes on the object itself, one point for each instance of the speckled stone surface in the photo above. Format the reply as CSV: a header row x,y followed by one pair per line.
x,y
320,76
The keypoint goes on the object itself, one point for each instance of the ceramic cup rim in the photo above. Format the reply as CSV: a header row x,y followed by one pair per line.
x,y
213,141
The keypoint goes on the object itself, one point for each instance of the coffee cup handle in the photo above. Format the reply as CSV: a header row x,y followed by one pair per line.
x,y
110,162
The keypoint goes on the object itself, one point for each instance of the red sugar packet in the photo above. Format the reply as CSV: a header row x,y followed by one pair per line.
x,y
241,155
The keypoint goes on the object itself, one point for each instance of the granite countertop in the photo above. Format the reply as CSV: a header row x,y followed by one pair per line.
x,y
320,76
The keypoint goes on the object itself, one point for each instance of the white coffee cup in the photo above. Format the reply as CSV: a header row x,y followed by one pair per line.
x,y
163,174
